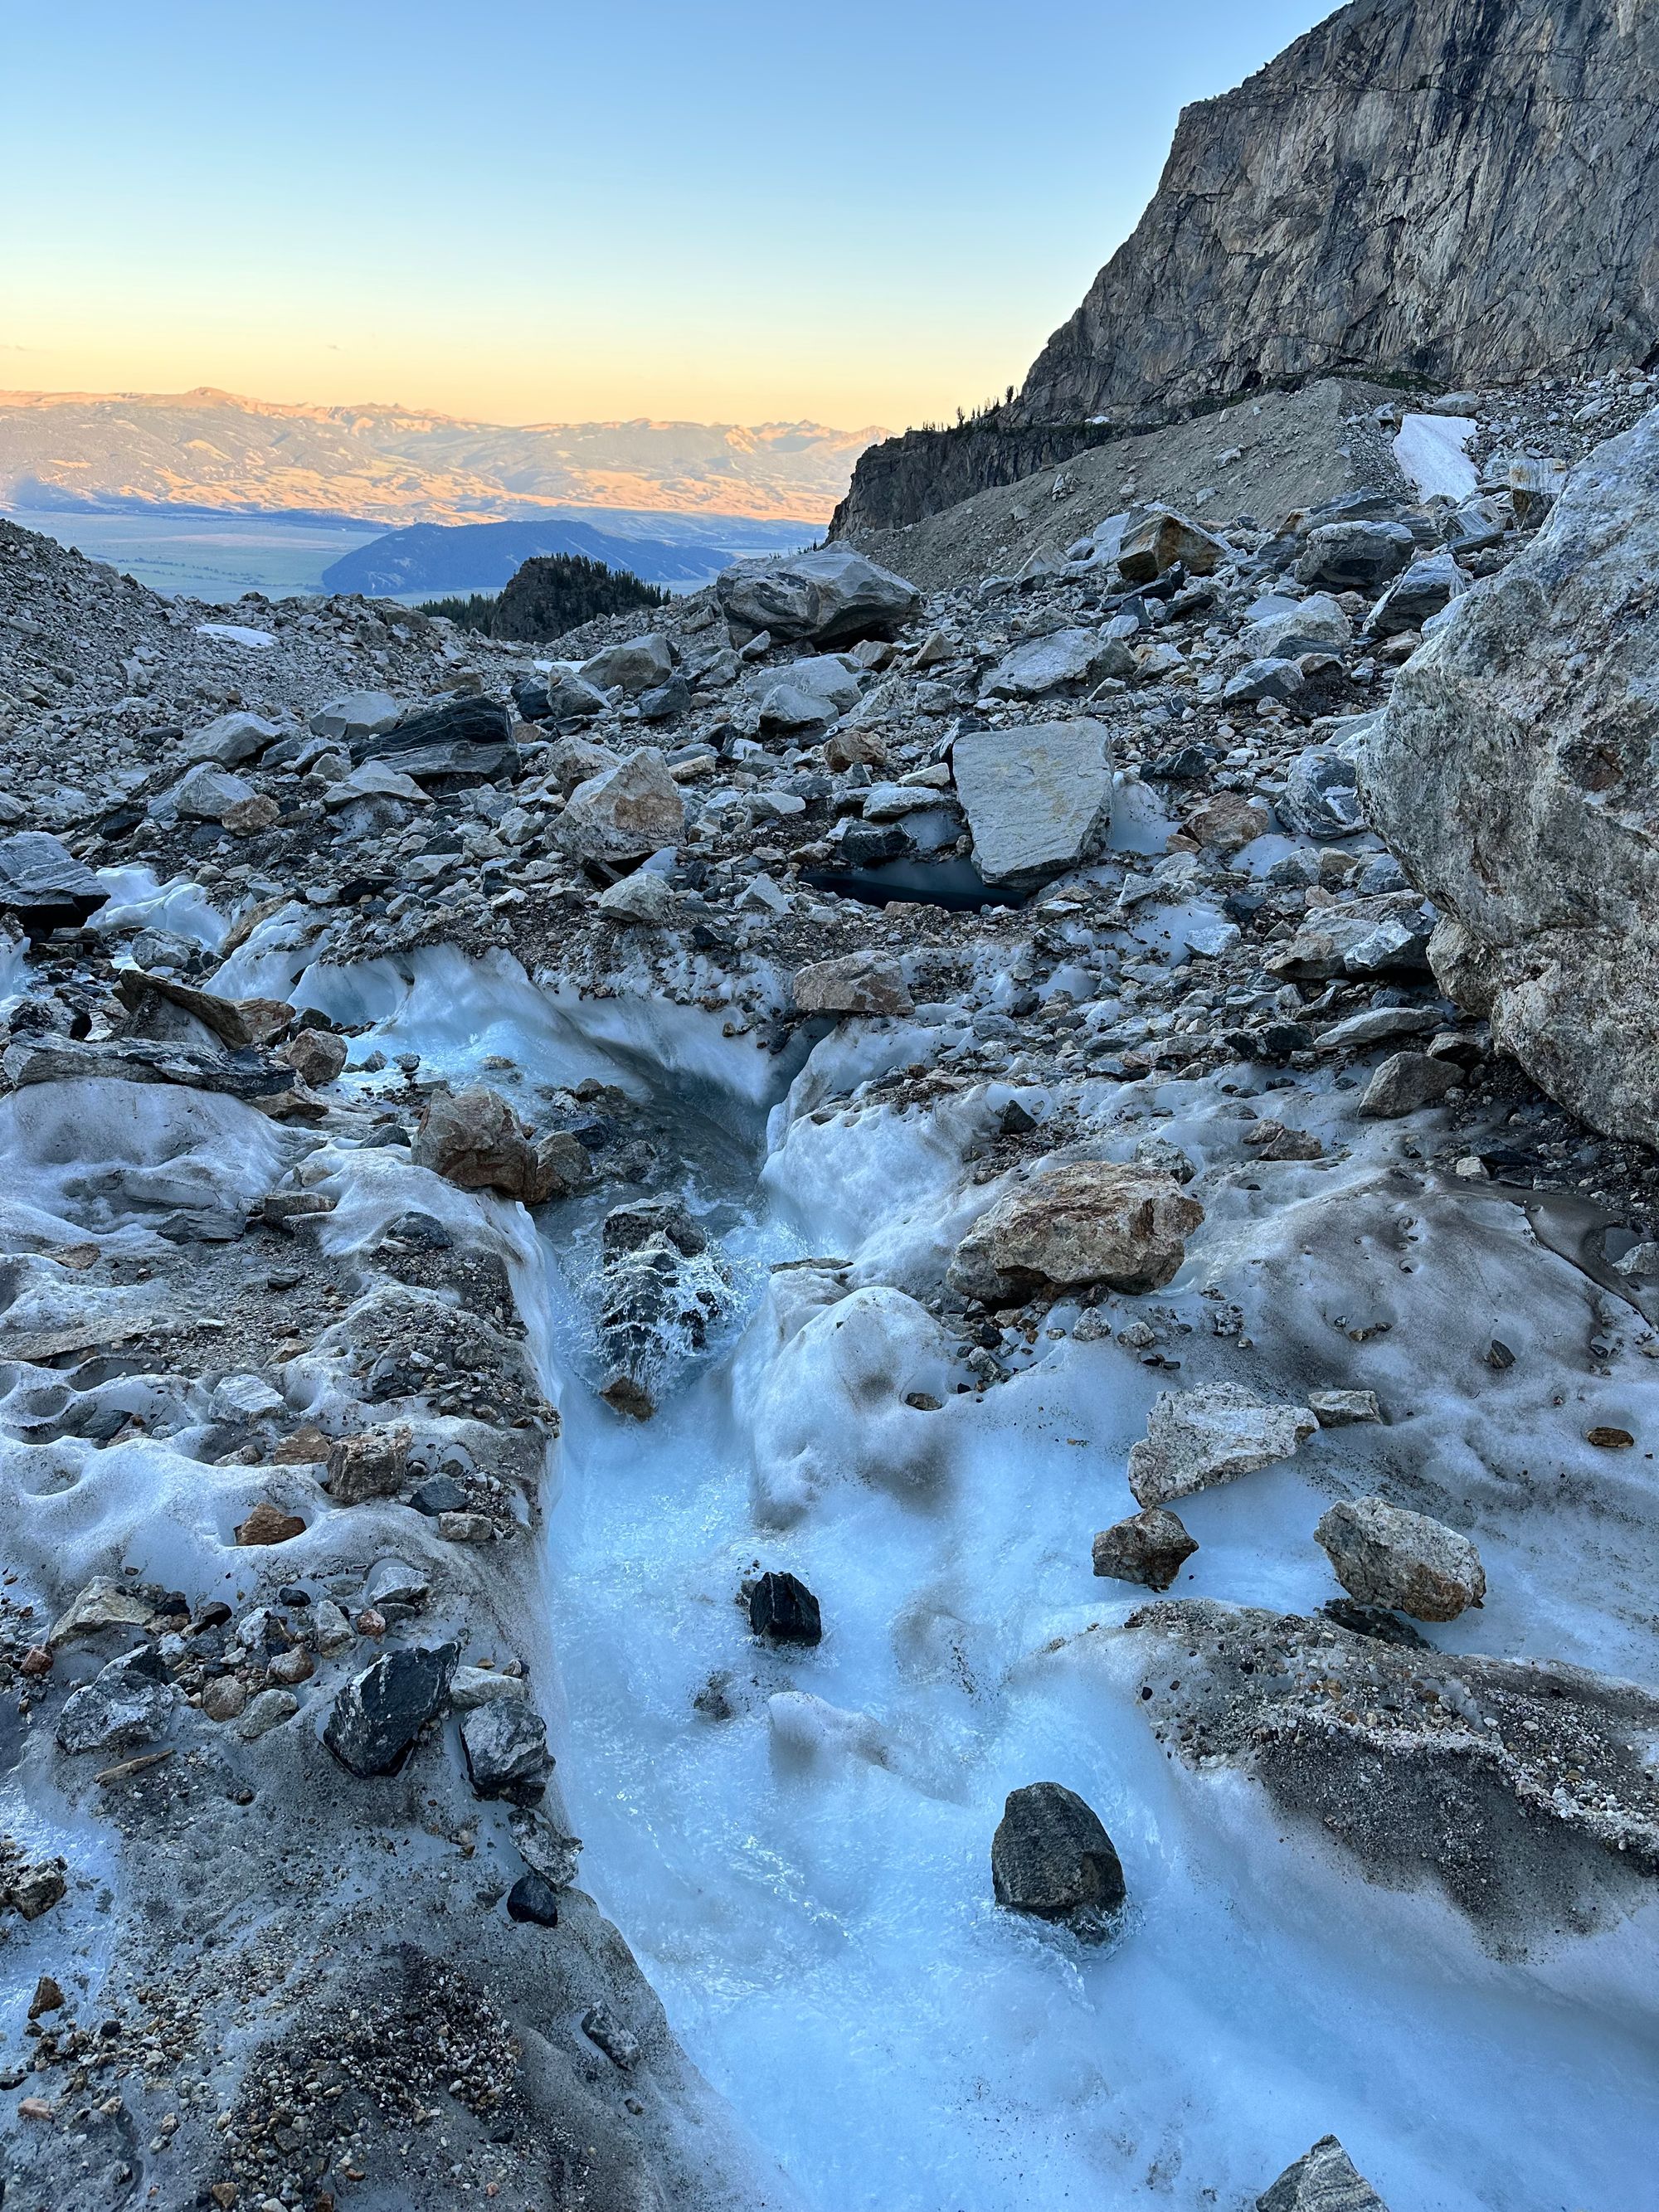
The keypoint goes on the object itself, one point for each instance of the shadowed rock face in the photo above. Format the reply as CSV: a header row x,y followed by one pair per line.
x,y
1402,190
1513,775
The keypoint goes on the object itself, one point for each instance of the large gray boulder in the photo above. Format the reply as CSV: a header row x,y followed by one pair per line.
x,y
1515,774
832,595
1038,800
1064,661
43,883
1384,1555
638,664
624,813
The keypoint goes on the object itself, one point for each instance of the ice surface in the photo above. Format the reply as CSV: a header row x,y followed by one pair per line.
x,y
1429,450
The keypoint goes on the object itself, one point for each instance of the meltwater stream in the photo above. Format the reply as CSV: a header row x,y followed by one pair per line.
x,y
797,1847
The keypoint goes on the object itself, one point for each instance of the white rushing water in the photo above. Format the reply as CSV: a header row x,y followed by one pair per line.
x,y
807,1881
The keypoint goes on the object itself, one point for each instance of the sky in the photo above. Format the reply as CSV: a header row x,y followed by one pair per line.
x,y
737,211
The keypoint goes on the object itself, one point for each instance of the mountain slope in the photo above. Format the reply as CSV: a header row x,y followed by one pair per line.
x,y
482,556
217,451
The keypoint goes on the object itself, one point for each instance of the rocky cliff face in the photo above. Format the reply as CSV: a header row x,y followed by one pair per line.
x,y
1401,193
1402,190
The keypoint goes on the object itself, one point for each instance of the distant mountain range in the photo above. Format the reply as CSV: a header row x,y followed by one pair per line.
x,y
213,451
675,550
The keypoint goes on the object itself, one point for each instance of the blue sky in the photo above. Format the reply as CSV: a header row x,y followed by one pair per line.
x,y
736,211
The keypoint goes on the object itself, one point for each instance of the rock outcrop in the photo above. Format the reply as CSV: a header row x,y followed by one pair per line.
x,y
1402,190
1517,776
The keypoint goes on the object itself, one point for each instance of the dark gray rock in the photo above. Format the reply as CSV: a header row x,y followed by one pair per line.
x,y
1355,556
1321,798
1149,1547
378,1715
464,741
533,1897
1052,1858
44,884
783,1610
1416,594
832,595
1322,2179
127,1059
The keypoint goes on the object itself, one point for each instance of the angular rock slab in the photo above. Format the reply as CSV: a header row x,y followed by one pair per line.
x,y
1384,1555
1515,774
1197,1438
1038,799
43,883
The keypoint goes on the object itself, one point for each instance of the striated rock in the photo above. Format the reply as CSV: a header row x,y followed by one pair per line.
x,y
1038,799
44,884
856,983
1467,256
467,740
1321,798
624,813
1052,1858
1323,2179
832,595
378,1715
1197,1438
783,1610
1149,1547
1087,1221
1535,830
238,1022
473,1138
122,1060
1384,1555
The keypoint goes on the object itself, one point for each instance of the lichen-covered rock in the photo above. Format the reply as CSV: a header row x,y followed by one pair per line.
x,y
1515,773
1085,1222
1384,1555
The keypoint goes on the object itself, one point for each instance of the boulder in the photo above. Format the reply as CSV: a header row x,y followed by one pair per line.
x,y
1086,1222
1417,593
465,740
208,793
825,677
505,1741
1227,822
473,1138
105,1602
1323,2179
43,883
1149,1547
1321,798
230,740
128,1703
1263,679
784,1611
571,698
855,983
1152,542
356,715
571,761
316,1056
1064,661
1406,1083
1515,774
1355,556
785,707
135,1060
370,1464
1038,798
373,779
637,666
377,1716
624,813
1197,1438
238,1022
1384,1555
649,900
832,595
1316,624
1052,1858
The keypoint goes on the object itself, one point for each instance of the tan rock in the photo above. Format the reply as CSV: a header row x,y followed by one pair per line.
x,y
225,1698
238,1022
473,1138
1159,539
624,813
105,1602
1384,1555
1226,821
369,1464
856,983
315,1055
1087,1221
268,1524
245,818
